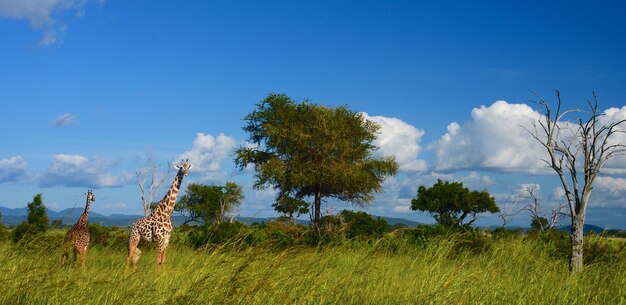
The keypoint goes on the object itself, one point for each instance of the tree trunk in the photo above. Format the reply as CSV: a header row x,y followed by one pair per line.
x,y
576,258
317,221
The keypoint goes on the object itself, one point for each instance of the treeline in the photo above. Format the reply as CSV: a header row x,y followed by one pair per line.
x,y
347,228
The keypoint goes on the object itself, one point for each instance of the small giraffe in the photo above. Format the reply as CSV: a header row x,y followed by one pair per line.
x,y
77,238
157,226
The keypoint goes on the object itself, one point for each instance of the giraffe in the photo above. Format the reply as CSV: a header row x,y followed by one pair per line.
x,y
157,226
77,238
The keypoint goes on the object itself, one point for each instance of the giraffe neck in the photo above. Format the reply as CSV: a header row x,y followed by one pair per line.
x,y
166,205
82,221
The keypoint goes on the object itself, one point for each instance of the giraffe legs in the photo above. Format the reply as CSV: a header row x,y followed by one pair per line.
x,y
162,252
133,252
82,254
65,257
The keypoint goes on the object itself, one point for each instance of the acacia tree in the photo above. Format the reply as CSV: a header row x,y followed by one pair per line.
x,y
289,206
230,199
450,203
303,149
576,150
37,213
209,203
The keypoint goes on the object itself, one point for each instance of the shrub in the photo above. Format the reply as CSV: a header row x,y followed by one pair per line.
x,y
112,237
600,249
26,231
363,225
476,242
4,233
504,233
99,235
219,234
284,234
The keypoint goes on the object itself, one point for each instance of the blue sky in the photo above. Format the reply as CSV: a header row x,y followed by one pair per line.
x,y
87,87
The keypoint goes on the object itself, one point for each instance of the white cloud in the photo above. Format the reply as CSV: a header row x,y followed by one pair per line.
x,y
399,139
558,193
403,206
613,185
611,192
493,139
63,120
207,153
78,171
116,206
617,165
476,181
41,15
12,169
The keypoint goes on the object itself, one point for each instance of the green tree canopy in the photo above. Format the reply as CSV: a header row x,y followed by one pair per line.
x,y
37,214
538,223
209,203
303,149
362,224
450,203
289,206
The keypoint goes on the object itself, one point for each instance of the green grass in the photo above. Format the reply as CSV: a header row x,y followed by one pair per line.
x,y
512,271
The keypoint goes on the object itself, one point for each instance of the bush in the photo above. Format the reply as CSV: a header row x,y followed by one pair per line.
x,y
26,231
111,237
4,233
284,234
98,234
475,242
504,233
600,249
363,225
220,233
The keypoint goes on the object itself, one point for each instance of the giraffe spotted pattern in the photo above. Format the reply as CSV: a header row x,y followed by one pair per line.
x,y
157,227
77,238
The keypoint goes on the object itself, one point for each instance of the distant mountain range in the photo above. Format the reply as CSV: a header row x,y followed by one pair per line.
x,y
13,217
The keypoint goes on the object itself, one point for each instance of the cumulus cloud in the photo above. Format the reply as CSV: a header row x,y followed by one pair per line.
x,y
493,139
610,192
12,169
617,165
399,139
63,120
41,15
79,171
207,153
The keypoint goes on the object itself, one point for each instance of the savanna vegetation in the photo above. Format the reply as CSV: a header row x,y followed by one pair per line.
x,y
311,153
357,260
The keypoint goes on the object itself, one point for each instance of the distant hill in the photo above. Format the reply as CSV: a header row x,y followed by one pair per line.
x,y
13,217
13,212
393,221
587,228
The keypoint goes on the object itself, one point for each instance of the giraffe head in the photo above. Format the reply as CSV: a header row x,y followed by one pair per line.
x,y
90,196
184,167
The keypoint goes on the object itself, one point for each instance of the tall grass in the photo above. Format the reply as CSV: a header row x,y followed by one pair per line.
x,y
388,271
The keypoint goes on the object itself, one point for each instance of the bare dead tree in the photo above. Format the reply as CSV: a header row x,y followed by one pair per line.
x,y
507,211
533,206
589,140
156,174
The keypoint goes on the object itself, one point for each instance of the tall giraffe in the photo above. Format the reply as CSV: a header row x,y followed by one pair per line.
x,y
77,238
157,227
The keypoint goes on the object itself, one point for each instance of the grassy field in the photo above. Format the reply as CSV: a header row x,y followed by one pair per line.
x,y
512,271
